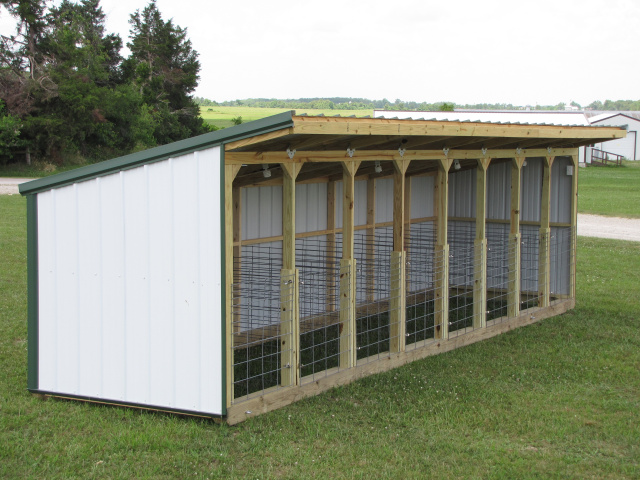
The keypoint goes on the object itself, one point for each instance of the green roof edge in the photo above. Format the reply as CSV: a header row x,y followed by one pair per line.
x,y
182,147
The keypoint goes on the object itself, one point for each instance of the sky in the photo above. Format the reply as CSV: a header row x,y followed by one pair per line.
x,y
522,52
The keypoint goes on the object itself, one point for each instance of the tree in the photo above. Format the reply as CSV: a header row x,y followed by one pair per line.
x,y
164,67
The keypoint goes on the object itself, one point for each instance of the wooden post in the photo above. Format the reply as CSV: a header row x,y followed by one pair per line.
x,y
574,226
544,252
397,301
289,292
348,268
230,172
407,232
371,245
480,247
237,249
441,261
513,294
331,245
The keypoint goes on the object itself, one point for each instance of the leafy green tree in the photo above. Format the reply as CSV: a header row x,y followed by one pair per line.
x,y
164,67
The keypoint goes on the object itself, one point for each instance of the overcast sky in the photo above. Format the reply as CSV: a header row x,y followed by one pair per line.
x,y
464,51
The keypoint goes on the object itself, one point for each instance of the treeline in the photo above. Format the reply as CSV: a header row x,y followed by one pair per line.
x,y
65,89
345,103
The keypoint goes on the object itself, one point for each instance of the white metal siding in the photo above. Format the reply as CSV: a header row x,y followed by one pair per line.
x,y
422,190
384,200
311,207
462,194
499,191
130,286
531,190
561,190
261,215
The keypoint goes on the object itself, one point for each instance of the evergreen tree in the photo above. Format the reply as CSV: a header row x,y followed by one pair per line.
x,y
164,67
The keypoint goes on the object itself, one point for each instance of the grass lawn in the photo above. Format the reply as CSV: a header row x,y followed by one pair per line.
x,y
557,399
613,191
221,116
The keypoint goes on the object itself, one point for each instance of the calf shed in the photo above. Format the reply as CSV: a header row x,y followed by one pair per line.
x,y
239,271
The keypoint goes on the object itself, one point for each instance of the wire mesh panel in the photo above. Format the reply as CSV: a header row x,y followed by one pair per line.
x,y
318,261
498,256
461,237
258,297
529,260
561,260
421,267
373,291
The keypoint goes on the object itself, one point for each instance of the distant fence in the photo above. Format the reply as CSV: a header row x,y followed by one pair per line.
x,y
600,157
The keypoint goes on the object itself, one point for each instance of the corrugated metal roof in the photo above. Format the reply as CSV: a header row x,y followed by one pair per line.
x,y
490,116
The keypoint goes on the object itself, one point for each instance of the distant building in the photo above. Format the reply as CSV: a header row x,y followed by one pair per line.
x,y
627,147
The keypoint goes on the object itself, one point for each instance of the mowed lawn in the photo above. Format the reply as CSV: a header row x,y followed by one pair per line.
x,y
221,116
557,399
612,191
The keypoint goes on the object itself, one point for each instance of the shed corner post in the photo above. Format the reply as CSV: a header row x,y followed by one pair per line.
x,y
441,261
348,345
544,249
480,247
32,293
513,294
289,281
574,225
230,172
397,302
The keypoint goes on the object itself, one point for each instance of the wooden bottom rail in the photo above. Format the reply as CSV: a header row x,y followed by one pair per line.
x,y
242,410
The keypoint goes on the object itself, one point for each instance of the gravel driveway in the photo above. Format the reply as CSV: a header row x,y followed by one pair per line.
x,y
588,225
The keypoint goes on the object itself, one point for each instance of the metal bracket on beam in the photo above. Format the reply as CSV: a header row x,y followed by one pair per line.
x,y
401,151
549,150
446,151
484,151
350,151
291,153
518,151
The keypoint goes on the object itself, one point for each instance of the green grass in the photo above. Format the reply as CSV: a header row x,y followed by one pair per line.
x,y
221,116
610,190
557,399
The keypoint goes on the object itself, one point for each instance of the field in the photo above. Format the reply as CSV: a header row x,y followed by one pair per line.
x,y
221,116
557,399
613,191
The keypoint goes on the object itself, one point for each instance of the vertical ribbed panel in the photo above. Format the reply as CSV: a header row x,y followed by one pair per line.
x,y
561,191
531,190
311,207
384,200
130,286
422,196
462,193
499,191
261,212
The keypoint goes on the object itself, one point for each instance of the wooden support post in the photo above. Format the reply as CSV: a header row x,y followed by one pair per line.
x,y
407,230
574,225
480,247
348,268
331,244
544,248
289,292
371,244
513,294
237,249
230,172
441,261
397,301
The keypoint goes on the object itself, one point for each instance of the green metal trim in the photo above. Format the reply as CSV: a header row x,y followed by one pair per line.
x,y
223,309
238,132
32,291
119,403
